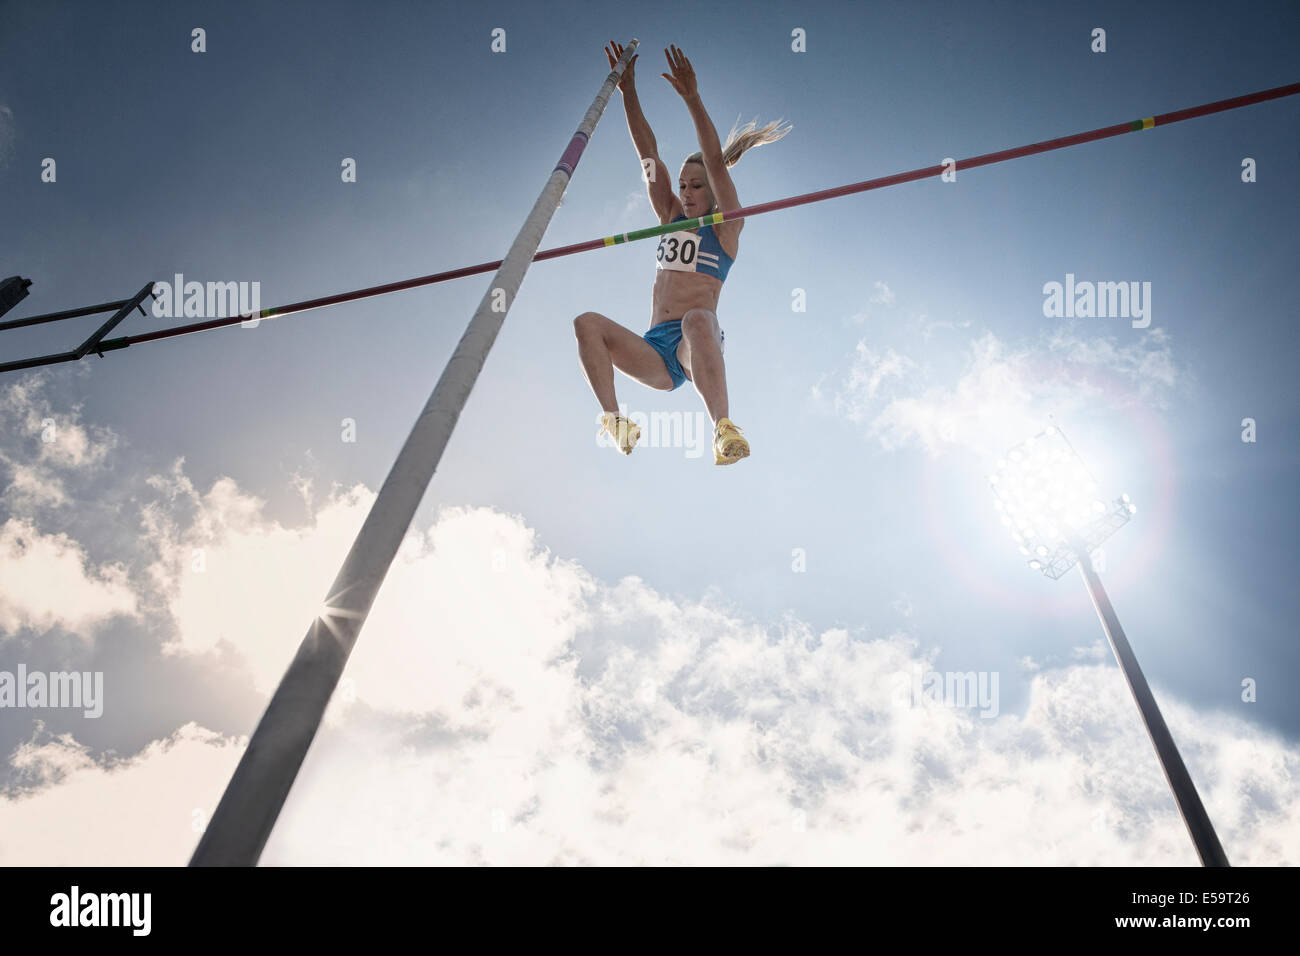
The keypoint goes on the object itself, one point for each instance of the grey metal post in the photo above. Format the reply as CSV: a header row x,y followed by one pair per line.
x,y
243,820
1180,781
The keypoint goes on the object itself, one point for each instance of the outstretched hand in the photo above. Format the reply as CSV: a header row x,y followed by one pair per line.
x,y
683,76
614,51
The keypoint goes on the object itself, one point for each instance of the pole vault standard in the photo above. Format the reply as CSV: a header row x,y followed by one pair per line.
x,y
243,819
1164,119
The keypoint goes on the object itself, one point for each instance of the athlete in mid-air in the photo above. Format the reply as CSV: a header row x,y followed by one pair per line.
x,y
685,341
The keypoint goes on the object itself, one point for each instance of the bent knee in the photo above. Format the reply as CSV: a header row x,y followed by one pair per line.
x,y
588,323
698,322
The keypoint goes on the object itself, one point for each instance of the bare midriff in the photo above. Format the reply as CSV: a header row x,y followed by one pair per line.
x,y
676,293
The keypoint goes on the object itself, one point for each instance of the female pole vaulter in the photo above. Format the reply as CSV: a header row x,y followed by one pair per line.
x,y
685,341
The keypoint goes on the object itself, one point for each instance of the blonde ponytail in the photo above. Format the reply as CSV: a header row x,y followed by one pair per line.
x,y
742,138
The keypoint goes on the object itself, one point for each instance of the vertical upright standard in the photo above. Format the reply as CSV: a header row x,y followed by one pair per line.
x,y
243,820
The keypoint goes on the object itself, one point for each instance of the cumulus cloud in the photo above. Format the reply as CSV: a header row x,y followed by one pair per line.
x,y
677,734
506,706
227,574
1003,391
144,811
45,582
44,445
883,295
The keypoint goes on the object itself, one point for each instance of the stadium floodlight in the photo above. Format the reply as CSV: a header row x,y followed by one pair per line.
x,y
1052,508
1050,503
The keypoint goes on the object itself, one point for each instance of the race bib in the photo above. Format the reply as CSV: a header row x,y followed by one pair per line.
x,y
677,251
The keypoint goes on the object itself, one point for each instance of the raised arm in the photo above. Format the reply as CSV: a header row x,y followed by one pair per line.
x,y
658,180
683,81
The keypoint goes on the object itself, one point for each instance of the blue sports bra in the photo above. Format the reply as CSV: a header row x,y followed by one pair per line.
x,y
690,252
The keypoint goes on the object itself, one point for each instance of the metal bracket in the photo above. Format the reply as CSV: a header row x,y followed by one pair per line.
x,y
94,343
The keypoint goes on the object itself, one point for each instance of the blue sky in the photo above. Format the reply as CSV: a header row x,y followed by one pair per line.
x,y
873,415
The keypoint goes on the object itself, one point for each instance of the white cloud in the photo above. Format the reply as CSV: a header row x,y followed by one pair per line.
x,y
636,202
1147,364
1003,393
928,326
137,812
1096,651
505,706
230,575
31,488
883,294
870,370
57,439
45,582
512,709
631,211
44,445
716,744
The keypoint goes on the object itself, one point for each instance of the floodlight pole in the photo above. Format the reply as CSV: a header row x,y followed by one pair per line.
x,y
1180,781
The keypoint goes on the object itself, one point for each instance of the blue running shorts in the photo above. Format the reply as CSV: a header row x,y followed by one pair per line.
x,y
665,338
